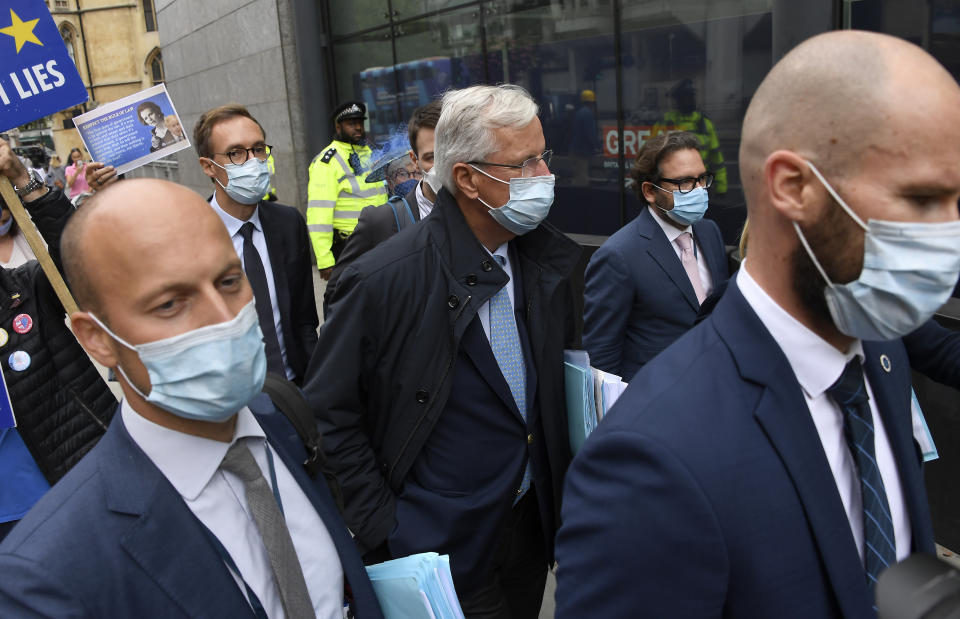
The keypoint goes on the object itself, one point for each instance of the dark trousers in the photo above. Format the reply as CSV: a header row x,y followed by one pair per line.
x,y
514,587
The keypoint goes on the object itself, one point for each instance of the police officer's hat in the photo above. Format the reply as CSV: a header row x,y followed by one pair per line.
x,y
683,88
350,109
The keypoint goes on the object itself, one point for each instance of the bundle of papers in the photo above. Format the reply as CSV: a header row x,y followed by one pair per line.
x,y
416,587
589,392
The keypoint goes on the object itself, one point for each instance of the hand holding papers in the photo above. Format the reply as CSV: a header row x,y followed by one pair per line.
x,y
416,587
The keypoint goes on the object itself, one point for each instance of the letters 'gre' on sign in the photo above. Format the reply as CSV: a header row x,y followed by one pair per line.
x,y
37,76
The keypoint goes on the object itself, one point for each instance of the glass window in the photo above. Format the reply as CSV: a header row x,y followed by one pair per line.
x,y
694,70
149,16
563,53
931,24
156,68
356,15
67,34
364,67
437,53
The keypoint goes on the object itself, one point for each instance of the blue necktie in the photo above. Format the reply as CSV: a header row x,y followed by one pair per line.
x,y
850,393
505,342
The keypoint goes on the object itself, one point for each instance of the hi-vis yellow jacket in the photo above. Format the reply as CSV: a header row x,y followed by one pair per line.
x,y
336,195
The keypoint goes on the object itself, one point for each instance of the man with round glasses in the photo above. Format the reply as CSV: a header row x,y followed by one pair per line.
x,y
270,238
644,286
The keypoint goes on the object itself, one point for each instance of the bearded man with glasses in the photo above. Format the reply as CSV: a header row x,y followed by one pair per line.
x,y
644,286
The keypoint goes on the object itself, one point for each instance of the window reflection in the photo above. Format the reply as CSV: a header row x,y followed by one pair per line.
x,y
692,66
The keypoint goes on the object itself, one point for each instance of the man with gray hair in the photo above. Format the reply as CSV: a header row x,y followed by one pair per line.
x,y
445,422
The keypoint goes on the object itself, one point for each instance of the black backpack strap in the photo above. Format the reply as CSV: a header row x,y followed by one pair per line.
x,y
289,400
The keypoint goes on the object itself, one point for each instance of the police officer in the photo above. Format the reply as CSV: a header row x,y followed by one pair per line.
x,y
337,191
686,117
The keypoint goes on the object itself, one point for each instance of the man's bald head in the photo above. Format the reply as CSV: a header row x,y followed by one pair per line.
x,y
834,97
124,223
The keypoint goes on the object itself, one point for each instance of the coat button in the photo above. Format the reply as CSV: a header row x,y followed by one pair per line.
x,y
486,265
453,301
422,396
471,280
529,439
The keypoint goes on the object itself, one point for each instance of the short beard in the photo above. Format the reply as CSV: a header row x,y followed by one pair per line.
x,y
832,242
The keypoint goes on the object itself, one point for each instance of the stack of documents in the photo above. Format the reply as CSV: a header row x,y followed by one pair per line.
x,y
590,393
416,587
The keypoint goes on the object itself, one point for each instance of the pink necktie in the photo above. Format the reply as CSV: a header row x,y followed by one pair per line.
x,y
685,241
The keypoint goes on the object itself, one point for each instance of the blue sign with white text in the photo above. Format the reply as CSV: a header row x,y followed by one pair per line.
x,y
37,76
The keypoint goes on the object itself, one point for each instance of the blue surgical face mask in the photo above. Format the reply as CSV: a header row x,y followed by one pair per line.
x,y
405,187
206,374
688,208
5,227
246,183
529,203
909,271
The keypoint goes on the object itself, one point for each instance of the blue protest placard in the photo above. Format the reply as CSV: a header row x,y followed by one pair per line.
x,y
37,77
7,420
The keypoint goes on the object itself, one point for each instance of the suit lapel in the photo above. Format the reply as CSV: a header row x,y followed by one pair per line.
x,y
278,264
477,347
164,538
285,441
711,252
891,390
785,419
664,255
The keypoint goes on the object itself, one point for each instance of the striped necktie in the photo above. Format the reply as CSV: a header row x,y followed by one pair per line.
x,y
505,342
879,546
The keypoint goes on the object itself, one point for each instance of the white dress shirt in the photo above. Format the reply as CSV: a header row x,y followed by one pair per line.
x,y
260,242
817,365
485,308
672,233
423,205
218,499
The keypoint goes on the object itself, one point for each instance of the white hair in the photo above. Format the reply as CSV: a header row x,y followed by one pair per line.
x,y
469,117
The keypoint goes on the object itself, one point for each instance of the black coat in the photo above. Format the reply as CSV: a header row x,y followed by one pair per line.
x,y
291,260
375,225
61,402
381,374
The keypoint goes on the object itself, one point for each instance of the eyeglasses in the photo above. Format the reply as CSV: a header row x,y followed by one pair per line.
x,y
401,176
239,155
686,185
527,169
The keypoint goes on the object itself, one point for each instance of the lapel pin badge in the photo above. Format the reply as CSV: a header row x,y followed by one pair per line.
x,y
885,363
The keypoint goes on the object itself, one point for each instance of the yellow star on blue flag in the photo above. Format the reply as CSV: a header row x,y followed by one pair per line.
x,y
21,31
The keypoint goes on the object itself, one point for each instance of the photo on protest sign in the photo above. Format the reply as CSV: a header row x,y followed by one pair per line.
x,y
134,130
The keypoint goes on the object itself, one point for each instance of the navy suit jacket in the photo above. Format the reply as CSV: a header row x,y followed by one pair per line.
x,y
463,483
706,491
638,298
291,260
114,539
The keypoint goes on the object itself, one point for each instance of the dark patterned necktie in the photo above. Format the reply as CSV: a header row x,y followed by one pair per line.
x,y
879,546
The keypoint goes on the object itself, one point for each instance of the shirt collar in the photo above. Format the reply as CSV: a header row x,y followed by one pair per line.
x,y
232,223
188,462
815,362
423,204
672,232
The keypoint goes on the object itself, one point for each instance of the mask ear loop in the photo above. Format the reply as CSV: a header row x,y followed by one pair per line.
x,y
125,343
813,257
491,208
837,197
